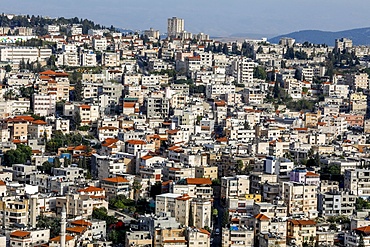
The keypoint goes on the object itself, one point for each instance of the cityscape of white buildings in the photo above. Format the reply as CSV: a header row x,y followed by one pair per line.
x,y
134,140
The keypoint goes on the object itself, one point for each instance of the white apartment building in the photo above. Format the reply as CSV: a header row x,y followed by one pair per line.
x,y
44,105
357,181
18,53
99,43
88,59
215,90
243,70
175,26
111,59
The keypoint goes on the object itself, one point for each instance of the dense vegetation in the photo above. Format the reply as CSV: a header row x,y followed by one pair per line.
x,y
39,23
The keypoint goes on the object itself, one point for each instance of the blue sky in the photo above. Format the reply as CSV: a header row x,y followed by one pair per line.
x,y
215,17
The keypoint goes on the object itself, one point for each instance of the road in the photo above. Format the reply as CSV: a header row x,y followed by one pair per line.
x,y
217,239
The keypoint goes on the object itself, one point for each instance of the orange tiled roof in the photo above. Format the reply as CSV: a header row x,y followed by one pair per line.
x,y
364,229
81,223
76,229
85,106
174,241
90,189
109,141
57,239
80,147
204,231
261,217
174,148
20,234
184,197
199,181
116,180
128,105
220,103
146,157
53,73
303,222
136,142
39,122
172,132
312,174
2,183
222,139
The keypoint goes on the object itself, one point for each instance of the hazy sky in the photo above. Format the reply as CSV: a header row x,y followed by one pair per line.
x,y
215,17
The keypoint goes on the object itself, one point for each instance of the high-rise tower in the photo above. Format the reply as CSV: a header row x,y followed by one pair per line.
x,y
175,26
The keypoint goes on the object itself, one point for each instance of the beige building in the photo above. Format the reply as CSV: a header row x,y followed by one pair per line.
x,y
54,83
197,237
138,238
14,210
301,231
206,172
237,186
301,199
185,209
169,237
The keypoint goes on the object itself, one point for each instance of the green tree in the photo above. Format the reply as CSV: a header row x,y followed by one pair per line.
x,y
239,167
77,120
214,212
260,73
216,182
225,218
102,214
136,187
18,156
156,189
46,167
56,162
289,54
362,204
52,223
8,68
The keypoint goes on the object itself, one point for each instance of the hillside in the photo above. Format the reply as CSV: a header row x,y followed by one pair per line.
x,y
39,23
360,36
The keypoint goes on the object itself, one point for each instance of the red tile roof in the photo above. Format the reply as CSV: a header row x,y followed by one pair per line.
x,y
302,222
136,142
81,223
262,217
312,174
57,239
198,181
91,189
20,234
39,122
76,229
116,180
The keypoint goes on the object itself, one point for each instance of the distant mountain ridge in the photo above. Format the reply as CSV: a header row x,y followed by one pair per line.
x,y
359,36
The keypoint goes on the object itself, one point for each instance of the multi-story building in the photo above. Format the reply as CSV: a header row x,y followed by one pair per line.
x,y
301,231
175,26
29,238
243,70
237,186
237,236
357,181
19,53
43,105
334,203
301,199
